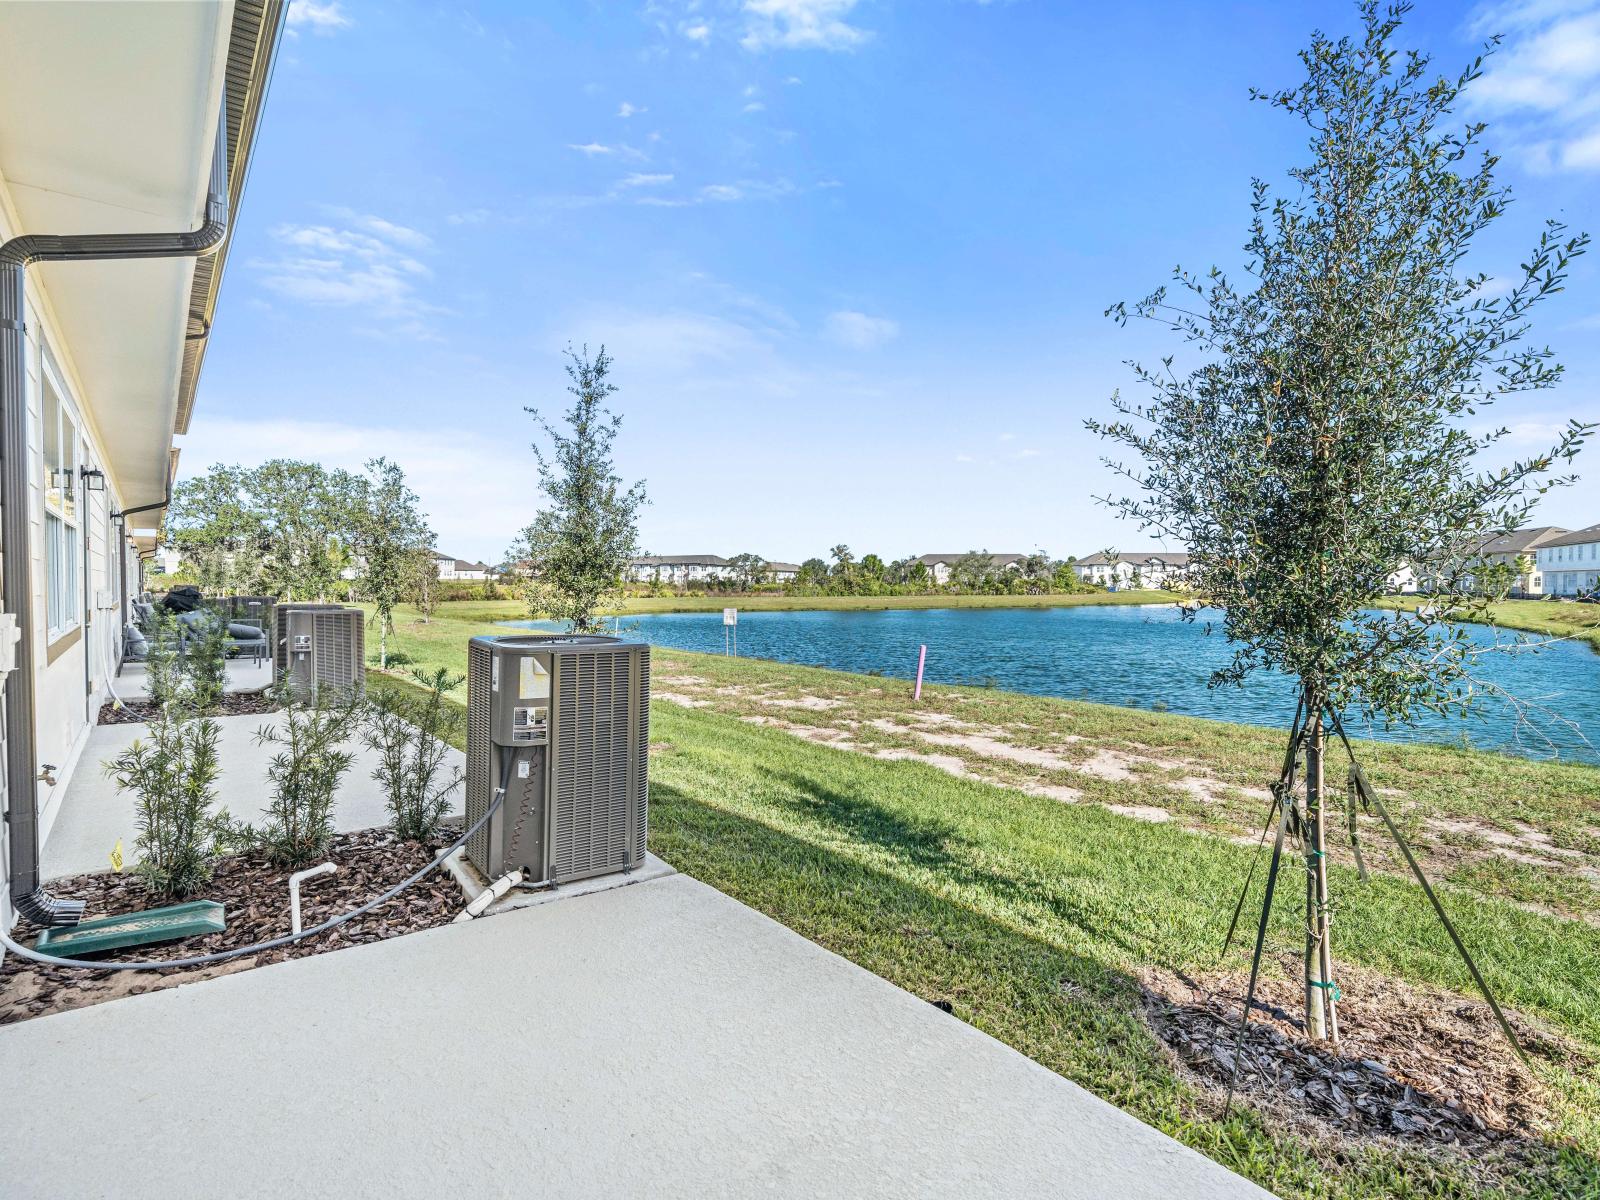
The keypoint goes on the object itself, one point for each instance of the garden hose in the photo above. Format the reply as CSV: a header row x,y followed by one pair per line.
x,y
201,960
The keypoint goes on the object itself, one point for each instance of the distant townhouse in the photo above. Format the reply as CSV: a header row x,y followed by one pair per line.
x,y
459,568
1518,550
1147,569
1402,580
782,572
1570,562
940,566
678,570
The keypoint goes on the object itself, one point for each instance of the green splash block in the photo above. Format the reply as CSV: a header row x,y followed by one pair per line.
x,y
133,929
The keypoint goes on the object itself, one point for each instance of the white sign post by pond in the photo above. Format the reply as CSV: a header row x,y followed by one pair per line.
x,y
730,631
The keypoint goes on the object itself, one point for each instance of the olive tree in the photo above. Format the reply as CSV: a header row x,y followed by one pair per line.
x,y
1322,436
579,547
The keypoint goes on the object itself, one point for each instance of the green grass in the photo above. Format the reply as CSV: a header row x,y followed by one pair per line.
x,y
1549,617
1034,919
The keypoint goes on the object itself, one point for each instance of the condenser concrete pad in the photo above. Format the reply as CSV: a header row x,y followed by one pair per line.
x,y
653,1040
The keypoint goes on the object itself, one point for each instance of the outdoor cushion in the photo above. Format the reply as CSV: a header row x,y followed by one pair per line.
x,y
240,632
135,645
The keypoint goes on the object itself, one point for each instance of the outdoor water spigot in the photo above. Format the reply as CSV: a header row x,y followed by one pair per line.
x,y
47,772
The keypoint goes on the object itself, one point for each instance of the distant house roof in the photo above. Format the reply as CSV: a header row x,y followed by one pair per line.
x,y
1165,557
1519,541
1589,533
998,560
461,564
680,560
789,568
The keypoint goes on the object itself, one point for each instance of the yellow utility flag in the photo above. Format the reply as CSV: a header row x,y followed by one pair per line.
x,y
116,856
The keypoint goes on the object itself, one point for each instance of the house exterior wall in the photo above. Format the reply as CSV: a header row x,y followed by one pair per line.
x,y
1570,570
72,669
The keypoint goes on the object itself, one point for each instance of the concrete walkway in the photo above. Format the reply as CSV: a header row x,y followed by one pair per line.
x,y
658,1039
243,675
94,814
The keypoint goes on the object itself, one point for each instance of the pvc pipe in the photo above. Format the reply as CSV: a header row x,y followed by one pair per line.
x,y
922,659
294,890
488,896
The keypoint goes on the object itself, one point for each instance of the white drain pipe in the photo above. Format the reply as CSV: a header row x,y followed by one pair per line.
x,y
488,896
294,890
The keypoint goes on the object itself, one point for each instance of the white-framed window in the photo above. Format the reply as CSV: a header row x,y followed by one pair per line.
x,y
63,554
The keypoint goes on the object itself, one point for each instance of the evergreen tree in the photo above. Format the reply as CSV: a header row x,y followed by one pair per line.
x,y
1321,441
579,547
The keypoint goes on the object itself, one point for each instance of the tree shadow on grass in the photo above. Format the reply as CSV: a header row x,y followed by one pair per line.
x,y
1070,1012
934,845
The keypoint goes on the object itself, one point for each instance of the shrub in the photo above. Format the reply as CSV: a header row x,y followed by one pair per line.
x,y
163,665
173,775
305,773
410,733
204,664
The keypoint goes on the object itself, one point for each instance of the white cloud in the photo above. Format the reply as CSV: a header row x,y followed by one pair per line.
x,y
472,216
696,31
365,263
722,191
800,25
638,179
626,110
592,149
1544,82
859,331
319,18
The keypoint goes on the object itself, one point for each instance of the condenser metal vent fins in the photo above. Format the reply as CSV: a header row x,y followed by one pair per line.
x,y
319,646
563,725
479,750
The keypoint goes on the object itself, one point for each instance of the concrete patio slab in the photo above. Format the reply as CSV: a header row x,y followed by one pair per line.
x,y
243,675
659,1039
94,814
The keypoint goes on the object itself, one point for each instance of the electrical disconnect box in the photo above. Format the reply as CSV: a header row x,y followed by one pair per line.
x,y
319,646
562,724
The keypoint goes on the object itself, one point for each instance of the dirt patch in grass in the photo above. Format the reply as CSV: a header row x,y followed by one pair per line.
x,y
1418,1065
255,898
681,700
234,704
813,703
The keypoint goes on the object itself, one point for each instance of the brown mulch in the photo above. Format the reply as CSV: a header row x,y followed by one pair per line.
x,y
1420,1065
234,704
255,896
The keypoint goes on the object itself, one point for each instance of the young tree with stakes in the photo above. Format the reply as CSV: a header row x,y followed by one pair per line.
x,y
580,546
1321,442
388,532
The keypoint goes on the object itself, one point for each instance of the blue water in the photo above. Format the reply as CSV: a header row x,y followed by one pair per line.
x,y
1135,656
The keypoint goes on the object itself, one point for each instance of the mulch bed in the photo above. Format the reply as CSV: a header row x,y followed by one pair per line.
x,y
255,896
234,704
1419,1065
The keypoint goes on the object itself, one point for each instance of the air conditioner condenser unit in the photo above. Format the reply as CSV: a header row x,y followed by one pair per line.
x,y
319,646
563,725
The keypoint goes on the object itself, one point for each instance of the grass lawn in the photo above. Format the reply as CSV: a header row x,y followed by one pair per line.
x,y
1549,617
1034,918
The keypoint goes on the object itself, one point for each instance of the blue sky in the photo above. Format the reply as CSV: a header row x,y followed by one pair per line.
x,y
850,256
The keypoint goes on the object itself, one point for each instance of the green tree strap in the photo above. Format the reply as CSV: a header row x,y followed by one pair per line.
x,y
1369,797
